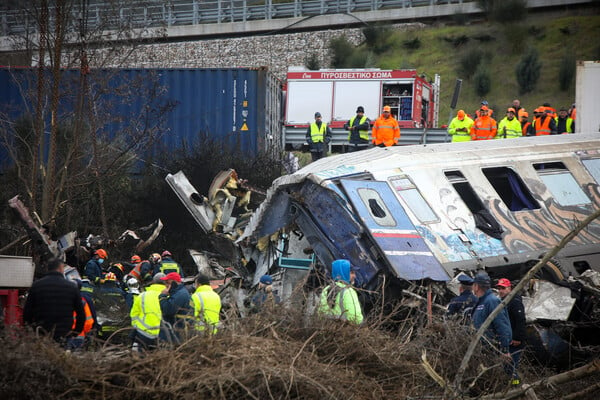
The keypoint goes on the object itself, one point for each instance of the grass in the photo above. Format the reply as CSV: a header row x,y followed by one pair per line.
x,y
554,35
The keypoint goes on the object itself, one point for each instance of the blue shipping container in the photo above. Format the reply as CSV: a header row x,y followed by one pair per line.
x,y
239,107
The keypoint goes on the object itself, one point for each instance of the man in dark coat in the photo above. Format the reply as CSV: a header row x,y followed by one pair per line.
x,y
51,302
516,314
462,305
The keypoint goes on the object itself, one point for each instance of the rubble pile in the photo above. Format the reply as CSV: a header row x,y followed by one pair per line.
x,y
278,353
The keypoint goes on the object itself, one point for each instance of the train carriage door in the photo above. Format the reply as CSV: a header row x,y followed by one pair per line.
x,y
392,230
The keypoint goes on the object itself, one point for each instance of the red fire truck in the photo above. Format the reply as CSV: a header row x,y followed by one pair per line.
x,y
336,94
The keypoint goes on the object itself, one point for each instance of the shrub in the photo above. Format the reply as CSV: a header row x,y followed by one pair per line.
x,y
312,62
566,73
457,41
482,81
376,37
471,60
528,70
342,50
412,44
516,36
538,32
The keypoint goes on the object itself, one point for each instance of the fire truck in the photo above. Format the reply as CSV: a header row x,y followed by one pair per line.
x,y
336,93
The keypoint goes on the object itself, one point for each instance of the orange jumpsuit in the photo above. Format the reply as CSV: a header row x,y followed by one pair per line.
x,y
484,128
386,131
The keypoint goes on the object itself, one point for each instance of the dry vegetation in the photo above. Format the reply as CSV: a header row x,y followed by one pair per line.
x,y
279,354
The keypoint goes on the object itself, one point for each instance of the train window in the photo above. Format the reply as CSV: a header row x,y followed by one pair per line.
x,y
377,208
593,167
511,189
484,220
413,198
561,183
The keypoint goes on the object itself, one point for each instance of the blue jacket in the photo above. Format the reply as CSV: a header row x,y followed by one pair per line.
x,y
93,271
499,330
462,304
176,306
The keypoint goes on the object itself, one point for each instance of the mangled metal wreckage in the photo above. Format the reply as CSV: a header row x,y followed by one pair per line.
x,y
415,216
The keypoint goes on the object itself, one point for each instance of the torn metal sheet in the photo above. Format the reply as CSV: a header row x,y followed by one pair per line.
x,y
192,200
549,301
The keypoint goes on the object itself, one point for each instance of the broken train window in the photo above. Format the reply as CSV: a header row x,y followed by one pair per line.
x,y
484,220
511,189
377,208
561,183
413,198
593,167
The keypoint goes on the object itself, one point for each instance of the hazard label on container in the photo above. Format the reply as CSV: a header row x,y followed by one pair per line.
x,y
244,127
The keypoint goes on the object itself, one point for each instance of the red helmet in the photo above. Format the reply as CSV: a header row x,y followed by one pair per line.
x,y
166,253
101,253
136,259
110,277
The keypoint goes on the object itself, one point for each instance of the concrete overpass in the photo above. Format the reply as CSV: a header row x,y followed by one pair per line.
x,y
193,19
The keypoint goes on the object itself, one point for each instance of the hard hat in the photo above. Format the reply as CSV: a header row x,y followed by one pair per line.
x,y
266,279
484,102
512,110
484,108
460,114
155,257
503,283
110,277
166,253
136,259
133,283
525,114
101,253
118,265
387,108
539,110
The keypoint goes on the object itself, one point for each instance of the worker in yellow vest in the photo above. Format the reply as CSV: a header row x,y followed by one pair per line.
x,y
318,136
358,130
460,127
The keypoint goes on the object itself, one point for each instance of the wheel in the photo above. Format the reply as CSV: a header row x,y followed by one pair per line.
x,y
551,272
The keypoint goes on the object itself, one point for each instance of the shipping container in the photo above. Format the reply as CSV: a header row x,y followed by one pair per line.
x,y
238,107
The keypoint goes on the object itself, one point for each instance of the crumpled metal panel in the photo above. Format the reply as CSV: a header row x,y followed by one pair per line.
x,y
550,301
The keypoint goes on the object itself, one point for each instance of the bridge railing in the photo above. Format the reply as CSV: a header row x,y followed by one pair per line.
x,y
141,14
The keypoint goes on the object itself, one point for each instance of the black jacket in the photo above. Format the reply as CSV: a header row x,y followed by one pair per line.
x,y
50,305
516,314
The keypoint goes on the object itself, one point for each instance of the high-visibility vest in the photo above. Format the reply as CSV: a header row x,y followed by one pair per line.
x,y
513,129
544,126
569,126
207,308
346,306
462,136
484,128
316,134
166,267
364,134
146,314
525,128
89,319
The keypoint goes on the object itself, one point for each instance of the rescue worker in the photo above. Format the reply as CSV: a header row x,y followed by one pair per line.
x,y
175,304
51,302
133,290
516,104
386,131
486,104
207,306
462,305
77,342
516,315
358,131
564,123
93,268
526,127
110,304
318,136
264,294
136,270
499,331
509,126
484,127
119,270
543,124
573,112
167,264
460,127
339,300
548,109
146,316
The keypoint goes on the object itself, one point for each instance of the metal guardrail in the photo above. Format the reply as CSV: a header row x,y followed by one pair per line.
x,y
144,14
296,137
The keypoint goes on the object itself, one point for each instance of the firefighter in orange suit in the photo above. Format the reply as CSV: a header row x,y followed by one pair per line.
x,y
485,127
386,131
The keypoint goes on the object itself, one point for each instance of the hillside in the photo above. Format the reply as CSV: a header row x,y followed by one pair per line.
x,y
554,35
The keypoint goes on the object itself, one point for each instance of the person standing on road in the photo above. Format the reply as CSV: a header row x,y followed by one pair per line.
x,y
386,131
516,314
51,302
318,136
460,127
358,127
